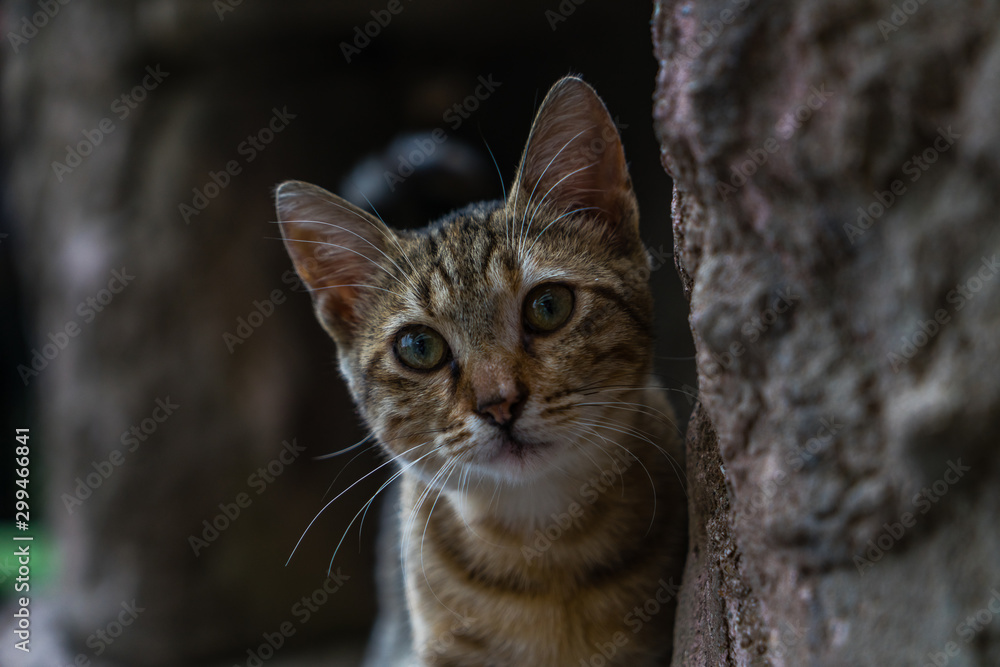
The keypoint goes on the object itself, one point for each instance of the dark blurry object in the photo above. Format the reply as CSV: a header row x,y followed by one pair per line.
x,y
419,177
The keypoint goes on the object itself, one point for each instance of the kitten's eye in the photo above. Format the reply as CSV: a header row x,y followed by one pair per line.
x,y
547,307
421,348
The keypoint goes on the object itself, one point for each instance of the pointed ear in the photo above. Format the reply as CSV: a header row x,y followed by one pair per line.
x,y
574,158
335,247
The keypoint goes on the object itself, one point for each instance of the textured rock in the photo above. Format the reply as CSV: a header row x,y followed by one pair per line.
x,y
836,173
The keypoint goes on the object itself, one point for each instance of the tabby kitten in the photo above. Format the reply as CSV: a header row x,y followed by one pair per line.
x,y
502,357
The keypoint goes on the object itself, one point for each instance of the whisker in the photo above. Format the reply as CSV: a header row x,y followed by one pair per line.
x,y
384,442
346,466
423,568
503,186
382,289
625,405
345,449
411,520
579,433
387,234
377,249
366,476
364,509
674,464
652,484
368,504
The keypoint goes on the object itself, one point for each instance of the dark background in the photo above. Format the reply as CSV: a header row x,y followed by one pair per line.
x,y
163,336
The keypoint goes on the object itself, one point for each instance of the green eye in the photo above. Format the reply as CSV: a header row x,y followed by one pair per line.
x,y
421,348
548,307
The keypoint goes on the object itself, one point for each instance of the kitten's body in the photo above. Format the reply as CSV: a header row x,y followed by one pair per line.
x,y
543,516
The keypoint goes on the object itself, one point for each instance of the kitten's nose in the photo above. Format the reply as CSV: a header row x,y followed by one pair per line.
x,y
504,407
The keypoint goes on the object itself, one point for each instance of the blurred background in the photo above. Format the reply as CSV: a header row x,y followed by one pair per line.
x,y
176,387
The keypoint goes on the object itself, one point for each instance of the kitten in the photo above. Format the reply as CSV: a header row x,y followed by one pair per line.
x,y
502,357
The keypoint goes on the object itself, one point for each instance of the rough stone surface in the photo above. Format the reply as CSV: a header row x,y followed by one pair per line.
x,y
850,403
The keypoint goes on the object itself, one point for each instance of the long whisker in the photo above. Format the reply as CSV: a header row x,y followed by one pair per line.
x,y
364,509
580,433
409,279
345,450
350,250
503,186
381,289
423,568
345,467
387,234
364,477
652,484
596,389
411,520
639,408
404,436
675,465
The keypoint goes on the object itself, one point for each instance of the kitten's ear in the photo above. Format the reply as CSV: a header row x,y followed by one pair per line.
x,y
574,157
335,247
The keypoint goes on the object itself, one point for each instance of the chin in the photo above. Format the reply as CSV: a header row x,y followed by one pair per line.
x,y
515,460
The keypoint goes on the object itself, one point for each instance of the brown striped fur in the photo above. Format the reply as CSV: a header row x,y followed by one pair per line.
x,y
548,540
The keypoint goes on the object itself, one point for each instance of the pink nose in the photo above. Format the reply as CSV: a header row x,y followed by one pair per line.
x,y
502,408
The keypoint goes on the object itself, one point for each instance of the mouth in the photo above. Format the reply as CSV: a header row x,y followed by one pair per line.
x,y
508,448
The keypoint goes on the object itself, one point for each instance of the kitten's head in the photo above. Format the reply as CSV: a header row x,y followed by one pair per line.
x,y
485,344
